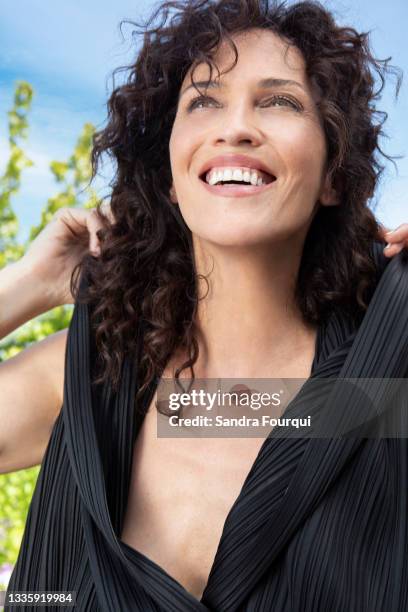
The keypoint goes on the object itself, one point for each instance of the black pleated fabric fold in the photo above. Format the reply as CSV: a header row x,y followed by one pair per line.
x,y
320,523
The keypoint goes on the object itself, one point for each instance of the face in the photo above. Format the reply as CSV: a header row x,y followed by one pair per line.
x,y
276,124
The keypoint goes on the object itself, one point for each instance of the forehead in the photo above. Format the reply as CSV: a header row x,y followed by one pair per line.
x,y
261,53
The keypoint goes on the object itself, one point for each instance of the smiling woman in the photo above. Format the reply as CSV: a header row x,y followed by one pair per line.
x,y
276,121
246,143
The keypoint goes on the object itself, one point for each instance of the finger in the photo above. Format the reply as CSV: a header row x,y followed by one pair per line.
x,y
82,224
87,220
382,230
94,224
74,221
398,235
106,210
392,249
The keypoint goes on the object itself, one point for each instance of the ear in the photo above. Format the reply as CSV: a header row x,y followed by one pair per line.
x,y
328,195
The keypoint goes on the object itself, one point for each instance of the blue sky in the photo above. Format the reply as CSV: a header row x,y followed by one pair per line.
x,y
67,51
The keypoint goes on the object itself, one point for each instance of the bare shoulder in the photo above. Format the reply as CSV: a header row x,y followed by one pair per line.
x,y
32,389
45,358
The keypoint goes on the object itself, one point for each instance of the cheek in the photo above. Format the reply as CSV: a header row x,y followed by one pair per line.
x,y
302,149
181,148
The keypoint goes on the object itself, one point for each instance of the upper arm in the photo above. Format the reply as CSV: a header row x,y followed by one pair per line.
x,y
31,396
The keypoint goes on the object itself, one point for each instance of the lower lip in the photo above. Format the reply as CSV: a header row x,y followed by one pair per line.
x,y
233,191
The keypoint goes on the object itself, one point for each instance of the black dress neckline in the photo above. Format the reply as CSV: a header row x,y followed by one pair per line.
x,y
172,582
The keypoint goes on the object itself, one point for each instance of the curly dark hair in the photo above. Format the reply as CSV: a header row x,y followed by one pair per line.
x,y
146,270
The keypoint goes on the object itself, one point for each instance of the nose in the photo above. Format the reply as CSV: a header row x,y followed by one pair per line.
x,y
238,127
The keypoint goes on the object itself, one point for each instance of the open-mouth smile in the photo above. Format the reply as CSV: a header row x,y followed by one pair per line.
x,y
236,189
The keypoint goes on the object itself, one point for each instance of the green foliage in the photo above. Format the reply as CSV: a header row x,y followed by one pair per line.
x,y
10,250
15,494
72,177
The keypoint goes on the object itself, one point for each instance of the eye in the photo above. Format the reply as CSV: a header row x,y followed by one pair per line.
x,y
198,100
274,101
284,101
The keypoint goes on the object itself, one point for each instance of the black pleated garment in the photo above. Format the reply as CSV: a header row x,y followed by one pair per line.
x,y
319,525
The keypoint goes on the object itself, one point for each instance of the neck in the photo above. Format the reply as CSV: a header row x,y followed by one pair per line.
x,y
248,321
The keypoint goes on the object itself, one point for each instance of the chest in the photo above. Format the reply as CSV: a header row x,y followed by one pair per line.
x,y
181,491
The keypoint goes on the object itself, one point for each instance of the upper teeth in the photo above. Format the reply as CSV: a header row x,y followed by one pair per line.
x,y
249,175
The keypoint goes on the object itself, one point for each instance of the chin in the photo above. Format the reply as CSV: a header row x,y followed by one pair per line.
x,y
232,236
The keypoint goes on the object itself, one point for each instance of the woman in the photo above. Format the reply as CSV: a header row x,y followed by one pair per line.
x,y
297,287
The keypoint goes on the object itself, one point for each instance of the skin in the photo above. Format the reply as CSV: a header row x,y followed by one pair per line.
x,y
254,242
249,323
248,283
397,239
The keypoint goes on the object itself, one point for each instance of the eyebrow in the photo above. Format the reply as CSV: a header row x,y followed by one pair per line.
x,y
263,84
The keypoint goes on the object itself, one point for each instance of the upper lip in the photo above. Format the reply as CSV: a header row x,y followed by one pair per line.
x,y
234,159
